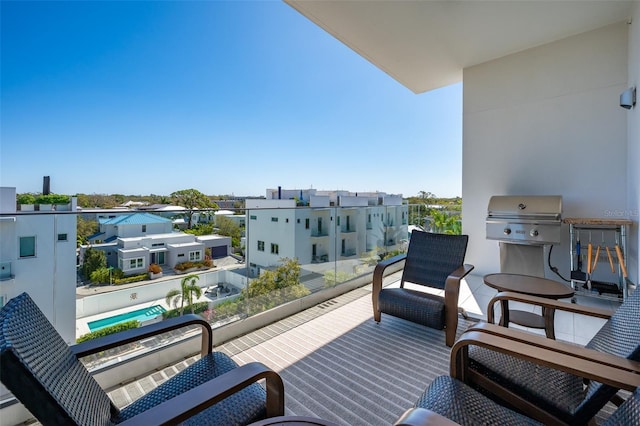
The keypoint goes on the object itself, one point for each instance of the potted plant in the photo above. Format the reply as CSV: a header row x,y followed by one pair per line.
x,y
47,201
155,271
26,202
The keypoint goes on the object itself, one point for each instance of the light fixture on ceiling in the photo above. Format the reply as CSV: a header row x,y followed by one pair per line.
x,y
628,98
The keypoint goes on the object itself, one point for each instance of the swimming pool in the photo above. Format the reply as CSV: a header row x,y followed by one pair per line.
x,y
141,315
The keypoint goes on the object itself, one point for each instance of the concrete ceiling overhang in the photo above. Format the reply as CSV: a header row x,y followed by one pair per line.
x,y
426,44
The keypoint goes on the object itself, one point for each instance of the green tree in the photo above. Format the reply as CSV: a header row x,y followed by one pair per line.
x,y
201,229
186,294
85,228
192,199
275,287
446,224
93,260
101,276
229,228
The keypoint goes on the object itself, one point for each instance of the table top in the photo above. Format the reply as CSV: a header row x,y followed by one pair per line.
x,y
527,284
293,421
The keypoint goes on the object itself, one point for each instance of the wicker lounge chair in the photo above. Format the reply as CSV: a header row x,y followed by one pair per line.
x,y
44,373
521,384
449,400
432,260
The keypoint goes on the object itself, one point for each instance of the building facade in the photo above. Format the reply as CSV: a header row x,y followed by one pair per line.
x,y
37,256
322,226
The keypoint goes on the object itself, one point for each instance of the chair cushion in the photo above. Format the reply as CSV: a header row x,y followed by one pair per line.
x,y
554,391
458,402
560,393
38,367
420,307
241,408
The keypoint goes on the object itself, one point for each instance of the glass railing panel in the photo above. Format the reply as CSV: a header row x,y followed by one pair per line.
x,y
269,257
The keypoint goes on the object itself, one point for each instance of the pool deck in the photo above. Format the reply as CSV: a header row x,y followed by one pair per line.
x,y
82,324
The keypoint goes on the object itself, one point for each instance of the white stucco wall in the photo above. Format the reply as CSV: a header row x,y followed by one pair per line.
x,y
50,276
546,121
633,134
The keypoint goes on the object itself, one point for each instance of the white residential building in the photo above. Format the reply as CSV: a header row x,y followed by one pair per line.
x,y
321,226
38,256
133,241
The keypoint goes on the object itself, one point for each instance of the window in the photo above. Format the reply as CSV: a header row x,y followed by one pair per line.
x,y
144,228
274,249
136,263
253,217
274,219
195,256
181,255
260,245
62,237
27,247
338,221
306,223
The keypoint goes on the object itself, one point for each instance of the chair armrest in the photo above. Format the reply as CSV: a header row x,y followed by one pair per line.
x,y
452,285
133,335
546,303
378,274
617,372
423,417
461,272
187,404
557,346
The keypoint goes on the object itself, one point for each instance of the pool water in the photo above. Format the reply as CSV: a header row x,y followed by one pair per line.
x,y
141,315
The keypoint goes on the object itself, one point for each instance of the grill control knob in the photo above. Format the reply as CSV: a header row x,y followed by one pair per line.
x,y
533,233
507,231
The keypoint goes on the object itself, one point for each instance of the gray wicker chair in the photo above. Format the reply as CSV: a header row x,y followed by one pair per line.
x,y
520,383
432,260
448,401
44,373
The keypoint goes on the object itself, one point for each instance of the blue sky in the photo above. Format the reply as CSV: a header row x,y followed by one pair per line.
x,y
150,97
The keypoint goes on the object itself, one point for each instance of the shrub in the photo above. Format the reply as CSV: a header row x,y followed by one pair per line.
x,y
198,308
26,199
188,265
108,330
101,276
331,278
130,279
52,199
184,266
155,268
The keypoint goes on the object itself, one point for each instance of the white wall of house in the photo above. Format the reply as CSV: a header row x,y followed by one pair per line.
x,y
50,276
547,121
633,138
271,226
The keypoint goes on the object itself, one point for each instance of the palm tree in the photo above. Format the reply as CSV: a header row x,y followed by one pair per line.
x,y
189,289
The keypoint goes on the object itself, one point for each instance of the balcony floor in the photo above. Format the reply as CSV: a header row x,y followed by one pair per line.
x,y
338,364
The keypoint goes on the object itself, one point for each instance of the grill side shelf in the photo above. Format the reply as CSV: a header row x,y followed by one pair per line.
x,y
606,276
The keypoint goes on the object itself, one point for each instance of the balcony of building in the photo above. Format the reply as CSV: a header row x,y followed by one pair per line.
x,y
332,303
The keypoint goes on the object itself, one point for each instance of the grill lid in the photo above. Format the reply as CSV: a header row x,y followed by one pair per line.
x,y
516,207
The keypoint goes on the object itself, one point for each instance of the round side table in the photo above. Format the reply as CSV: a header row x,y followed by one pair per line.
x,y
533,286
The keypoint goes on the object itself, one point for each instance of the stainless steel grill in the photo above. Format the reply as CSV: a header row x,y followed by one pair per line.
x,y
524,224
